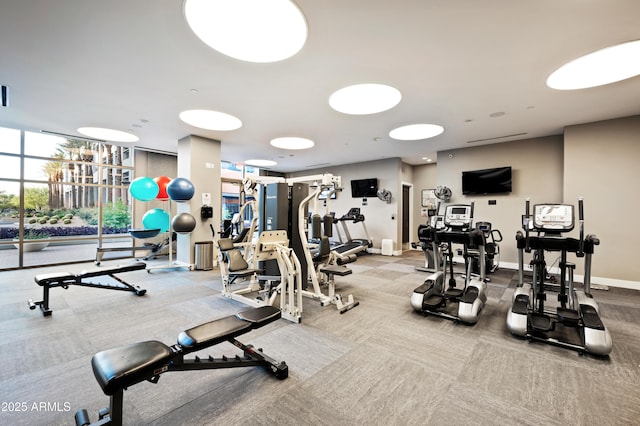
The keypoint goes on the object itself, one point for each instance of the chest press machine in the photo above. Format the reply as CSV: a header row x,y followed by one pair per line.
x,y
85,279
120,368
271,245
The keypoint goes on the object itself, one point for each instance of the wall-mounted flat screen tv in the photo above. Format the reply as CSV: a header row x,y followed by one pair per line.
x,y
323,194
487,181
362,188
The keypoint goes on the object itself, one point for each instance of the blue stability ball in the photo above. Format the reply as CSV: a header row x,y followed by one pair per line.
x,y
156,219
183,223
144,189
180,190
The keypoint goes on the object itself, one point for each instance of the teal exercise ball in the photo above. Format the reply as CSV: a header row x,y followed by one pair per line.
x,y
180,190
183,223
144,189
156,219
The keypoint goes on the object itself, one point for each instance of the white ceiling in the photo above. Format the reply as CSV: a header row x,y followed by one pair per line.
x,y
133,65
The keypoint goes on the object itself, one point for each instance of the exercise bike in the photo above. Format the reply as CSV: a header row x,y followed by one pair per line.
x,y
529,315
432,297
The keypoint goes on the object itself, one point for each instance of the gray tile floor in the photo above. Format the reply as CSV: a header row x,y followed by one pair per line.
x,y
380,363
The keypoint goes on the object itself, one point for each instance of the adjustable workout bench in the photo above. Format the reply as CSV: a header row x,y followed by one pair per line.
x,y
65,279
119,368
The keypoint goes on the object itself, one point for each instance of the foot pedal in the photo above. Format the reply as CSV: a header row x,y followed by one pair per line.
x,y
591,318
470,295
453,293
540,322
433,302
569,317
521,304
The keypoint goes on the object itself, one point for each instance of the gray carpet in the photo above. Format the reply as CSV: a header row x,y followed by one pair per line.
x,y
380,363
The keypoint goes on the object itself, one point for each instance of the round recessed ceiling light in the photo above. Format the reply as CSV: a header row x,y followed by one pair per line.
x,y
108,134
248,30
210,120
608,65
414,132
260,163
292,143
362,99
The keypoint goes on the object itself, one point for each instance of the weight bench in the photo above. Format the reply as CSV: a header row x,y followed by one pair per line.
x,y
65,279
122,367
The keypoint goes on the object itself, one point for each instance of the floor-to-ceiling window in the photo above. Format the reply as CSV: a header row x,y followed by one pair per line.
x,y
59,197
233,196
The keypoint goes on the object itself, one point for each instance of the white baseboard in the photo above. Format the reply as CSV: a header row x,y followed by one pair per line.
x,y
595,281
379,251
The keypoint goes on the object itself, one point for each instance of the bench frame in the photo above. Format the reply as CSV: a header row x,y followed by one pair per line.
x,y
66,279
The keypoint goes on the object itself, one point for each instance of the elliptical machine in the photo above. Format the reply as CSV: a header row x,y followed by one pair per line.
x,y
425,236
577,310
491,247
431,297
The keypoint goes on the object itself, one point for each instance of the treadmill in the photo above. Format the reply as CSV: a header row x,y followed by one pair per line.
x,y
348,245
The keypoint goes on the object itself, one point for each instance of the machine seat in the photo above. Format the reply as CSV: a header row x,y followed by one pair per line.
x,y
336,270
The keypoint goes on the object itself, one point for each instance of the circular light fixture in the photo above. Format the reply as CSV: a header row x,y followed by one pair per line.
x,y
108,134
367,98
604,66
414,132
210,120
292,143
260,163
248,30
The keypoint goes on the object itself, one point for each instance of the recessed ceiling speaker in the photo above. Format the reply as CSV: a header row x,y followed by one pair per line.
x,y
5,96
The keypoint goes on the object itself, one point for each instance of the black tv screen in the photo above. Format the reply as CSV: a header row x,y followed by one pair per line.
x,y
361,188
487,181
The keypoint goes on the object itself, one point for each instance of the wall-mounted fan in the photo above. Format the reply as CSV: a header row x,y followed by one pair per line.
x,y
442,193
384,195
249,185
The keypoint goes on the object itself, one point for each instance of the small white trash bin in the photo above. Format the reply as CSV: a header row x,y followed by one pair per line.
x,y
387,247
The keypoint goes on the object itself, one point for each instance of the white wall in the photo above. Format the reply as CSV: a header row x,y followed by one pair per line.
x,y
537,167
381,219
602,165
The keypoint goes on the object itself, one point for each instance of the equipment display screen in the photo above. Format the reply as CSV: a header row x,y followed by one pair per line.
x,y
553,216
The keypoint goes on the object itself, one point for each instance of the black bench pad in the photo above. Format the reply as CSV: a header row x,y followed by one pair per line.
x,y
223,329
62,277
212,333
54,277
124,366
97,272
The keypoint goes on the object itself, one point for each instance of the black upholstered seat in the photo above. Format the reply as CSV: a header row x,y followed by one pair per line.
x,y
124,366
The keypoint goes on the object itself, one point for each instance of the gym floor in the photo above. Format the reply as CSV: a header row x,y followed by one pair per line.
x,y
380,363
